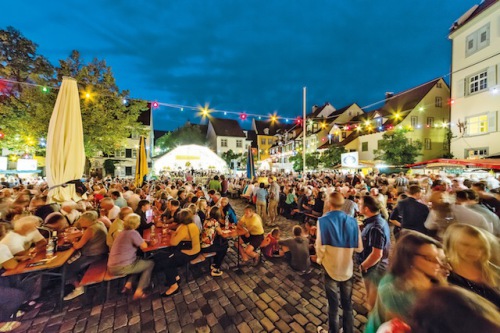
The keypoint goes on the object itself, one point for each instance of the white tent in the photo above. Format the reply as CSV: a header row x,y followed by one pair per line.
x,y
187,157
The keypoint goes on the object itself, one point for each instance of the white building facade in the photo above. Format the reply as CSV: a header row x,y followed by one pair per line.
x,y
475,89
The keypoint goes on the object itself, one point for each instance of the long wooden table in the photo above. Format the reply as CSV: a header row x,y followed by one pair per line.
x,y
40,265
162,239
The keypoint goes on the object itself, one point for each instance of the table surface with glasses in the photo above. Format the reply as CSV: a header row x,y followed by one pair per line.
x,y
161,239
39,262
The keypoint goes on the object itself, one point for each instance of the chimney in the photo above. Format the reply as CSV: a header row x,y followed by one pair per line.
x,y
314,108
389,94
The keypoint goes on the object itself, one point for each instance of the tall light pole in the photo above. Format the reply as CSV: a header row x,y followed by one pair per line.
x,y
152,134
304,131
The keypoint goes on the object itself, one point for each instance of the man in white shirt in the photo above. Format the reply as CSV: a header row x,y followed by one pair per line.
x,y
338,236
25,234
109,208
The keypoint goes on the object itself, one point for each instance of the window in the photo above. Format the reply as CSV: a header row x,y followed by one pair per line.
x,y
478,82
134,153
364,146
414,121
239,143
378,144
134,135
269,141
128,171
120,153
128,153
223,142
474,153
427,144
439,102
344,135
430,121
477,40
263,141
439,85
477,125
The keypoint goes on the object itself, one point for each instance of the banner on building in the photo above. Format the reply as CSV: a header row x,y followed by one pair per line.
x,y
349,160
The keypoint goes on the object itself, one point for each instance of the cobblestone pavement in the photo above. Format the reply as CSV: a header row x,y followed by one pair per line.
x,y
268,298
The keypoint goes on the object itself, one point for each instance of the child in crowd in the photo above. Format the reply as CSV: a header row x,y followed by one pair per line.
x,y
270,246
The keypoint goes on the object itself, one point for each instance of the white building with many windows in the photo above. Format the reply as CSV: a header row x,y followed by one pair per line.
x,y
226,134
475,89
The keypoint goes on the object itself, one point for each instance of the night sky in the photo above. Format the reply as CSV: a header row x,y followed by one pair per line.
x,y
251,56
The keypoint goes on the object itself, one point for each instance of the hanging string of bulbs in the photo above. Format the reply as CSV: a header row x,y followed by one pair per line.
x,y
205,111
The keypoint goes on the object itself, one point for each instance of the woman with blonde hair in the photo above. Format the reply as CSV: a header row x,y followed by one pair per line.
x,y
123,257
416,267
469,254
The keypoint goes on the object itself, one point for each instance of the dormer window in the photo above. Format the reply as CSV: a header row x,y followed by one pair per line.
x,y
266,131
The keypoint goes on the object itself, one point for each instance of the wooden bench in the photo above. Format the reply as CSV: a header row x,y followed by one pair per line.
x,y
98,273
95,273
201,258
108,278
234,194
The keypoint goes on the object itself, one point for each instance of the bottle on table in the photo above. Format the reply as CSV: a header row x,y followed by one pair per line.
x,y
152,235
51,245
226,223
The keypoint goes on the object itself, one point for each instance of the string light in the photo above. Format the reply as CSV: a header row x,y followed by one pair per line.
x,y
88,95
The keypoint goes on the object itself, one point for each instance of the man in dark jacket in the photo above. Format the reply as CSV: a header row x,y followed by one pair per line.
x,y
410,213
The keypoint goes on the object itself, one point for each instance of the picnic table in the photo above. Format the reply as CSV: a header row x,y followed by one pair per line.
x,y
39,265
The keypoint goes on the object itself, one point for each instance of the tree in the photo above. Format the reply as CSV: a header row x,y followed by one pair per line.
x,y
109,166
229,155
396,149
448,136
297,162
185,135
107,121
331,157
312,161
22,104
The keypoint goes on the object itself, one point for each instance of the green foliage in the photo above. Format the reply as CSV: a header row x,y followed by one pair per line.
x,y
297,162
332,156
109,166
395,148
229,155
107,123
185,135
312,161
448,136
21,105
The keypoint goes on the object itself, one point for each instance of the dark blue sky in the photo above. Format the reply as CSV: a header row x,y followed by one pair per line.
x,y
252,56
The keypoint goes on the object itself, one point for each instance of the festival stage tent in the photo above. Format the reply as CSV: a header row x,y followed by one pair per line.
x,y
189,157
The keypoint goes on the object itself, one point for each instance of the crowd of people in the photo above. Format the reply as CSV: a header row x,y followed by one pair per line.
x,y
410,236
